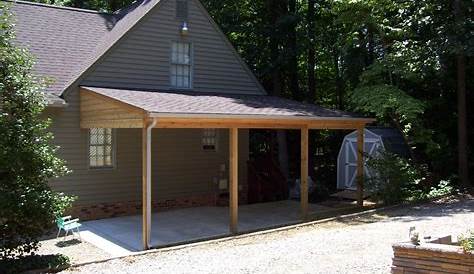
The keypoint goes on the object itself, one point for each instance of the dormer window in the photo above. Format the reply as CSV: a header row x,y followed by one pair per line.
x,y
180,65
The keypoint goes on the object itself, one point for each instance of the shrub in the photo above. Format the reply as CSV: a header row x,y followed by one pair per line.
x,y
394,178
397,179
467,241
48,263
27,158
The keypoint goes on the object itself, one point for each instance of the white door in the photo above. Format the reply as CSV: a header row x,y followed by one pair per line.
x,y
371,146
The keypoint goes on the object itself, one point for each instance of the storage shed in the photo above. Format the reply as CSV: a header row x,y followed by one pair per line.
x,y
375,139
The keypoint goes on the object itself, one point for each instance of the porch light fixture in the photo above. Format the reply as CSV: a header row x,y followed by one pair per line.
x,y
183,29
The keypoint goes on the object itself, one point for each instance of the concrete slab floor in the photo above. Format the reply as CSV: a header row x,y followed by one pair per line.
x,y
122,235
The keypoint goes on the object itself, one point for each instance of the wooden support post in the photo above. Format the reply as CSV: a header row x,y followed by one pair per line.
x,y
145,230
146,182
360,166
304,173
233,179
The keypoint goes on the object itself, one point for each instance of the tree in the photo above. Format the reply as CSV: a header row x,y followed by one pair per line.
x,y
463,164
323,51
27,158
293,20
310,14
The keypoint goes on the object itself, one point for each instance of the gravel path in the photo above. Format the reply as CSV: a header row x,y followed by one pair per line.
x,y
357,245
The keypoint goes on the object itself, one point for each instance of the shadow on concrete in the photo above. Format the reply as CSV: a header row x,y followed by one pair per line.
x,y
68,243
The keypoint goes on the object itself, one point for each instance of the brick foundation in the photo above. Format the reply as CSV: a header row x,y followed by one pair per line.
x,y
108,210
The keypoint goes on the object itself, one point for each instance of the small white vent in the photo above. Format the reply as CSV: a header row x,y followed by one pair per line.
x,y
182,10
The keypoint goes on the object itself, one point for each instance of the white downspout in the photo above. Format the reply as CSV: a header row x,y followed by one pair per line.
x,y
148,178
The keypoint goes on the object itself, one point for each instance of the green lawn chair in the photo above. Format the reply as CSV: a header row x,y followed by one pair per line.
x,y
68,225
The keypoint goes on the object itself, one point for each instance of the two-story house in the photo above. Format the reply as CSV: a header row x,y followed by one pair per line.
x,y
151,107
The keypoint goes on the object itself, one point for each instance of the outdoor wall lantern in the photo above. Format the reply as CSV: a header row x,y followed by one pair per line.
x,y
184,30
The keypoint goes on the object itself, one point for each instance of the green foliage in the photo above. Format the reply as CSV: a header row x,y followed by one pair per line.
x,y
387,103
393,106
467,241
396,179
48,263
27,158
443,188
364,50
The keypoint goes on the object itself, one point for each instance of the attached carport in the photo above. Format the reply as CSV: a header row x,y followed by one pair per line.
x,y
119,108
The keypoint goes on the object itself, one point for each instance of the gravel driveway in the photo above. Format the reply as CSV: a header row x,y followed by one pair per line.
x,y
357,245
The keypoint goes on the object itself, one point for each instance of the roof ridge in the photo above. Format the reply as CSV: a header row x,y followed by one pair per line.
x,y
57,7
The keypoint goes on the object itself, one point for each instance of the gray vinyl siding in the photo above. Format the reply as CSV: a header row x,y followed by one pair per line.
x,y
141,60
180,167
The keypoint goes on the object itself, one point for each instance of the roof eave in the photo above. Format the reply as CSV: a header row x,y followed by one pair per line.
x,y
259,117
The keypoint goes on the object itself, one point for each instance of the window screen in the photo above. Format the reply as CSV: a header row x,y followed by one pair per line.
x,y
180,65
101,153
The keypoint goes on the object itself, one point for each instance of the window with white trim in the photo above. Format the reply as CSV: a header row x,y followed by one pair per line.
x,y
180,74
209,139
101,148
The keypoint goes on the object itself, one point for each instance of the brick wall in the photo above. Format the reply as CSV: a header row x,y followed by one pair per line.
x,y
109,210
431,258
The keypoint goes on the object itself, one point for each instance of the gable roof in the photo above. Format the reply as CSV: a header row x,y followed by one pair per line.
x,y
68,42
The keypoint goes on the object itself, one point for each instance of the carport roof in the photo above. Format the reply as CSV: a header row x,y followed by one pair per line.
x,y
199,104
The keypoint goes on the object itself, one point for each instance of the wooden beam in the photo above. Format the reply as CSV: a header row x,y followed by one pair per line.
x,y
122,123
270,123
233,178
360,166
304,173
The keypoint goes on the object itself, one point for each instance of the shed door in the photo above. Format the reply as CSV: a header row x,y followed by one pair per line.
x,y
371,146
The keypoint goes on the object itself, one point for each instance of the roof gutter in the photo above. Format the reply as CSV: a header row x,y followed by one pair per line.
x,y
257,117
148,179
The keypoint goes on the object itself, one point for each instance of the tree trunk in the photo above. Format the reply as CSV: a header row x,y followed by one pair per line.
x,y
462,121
370,46
311,52
275,12
463,165
339,81
293,52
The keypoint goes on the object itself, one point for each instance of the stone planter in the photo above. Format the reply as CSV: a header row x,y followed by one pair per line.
x,y
438,256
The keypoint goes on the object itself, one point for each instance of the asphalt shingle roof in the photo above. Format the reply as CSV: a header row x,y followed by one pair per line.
x,y
67,41
165,102
59,38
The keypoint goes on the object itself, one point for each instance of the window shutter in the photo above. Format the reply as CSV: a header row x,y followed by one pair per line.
x,y
182,10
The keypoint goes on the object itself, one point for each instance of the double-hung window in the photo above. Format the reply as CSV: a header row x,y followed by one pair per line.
x,y
101,148
181,65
